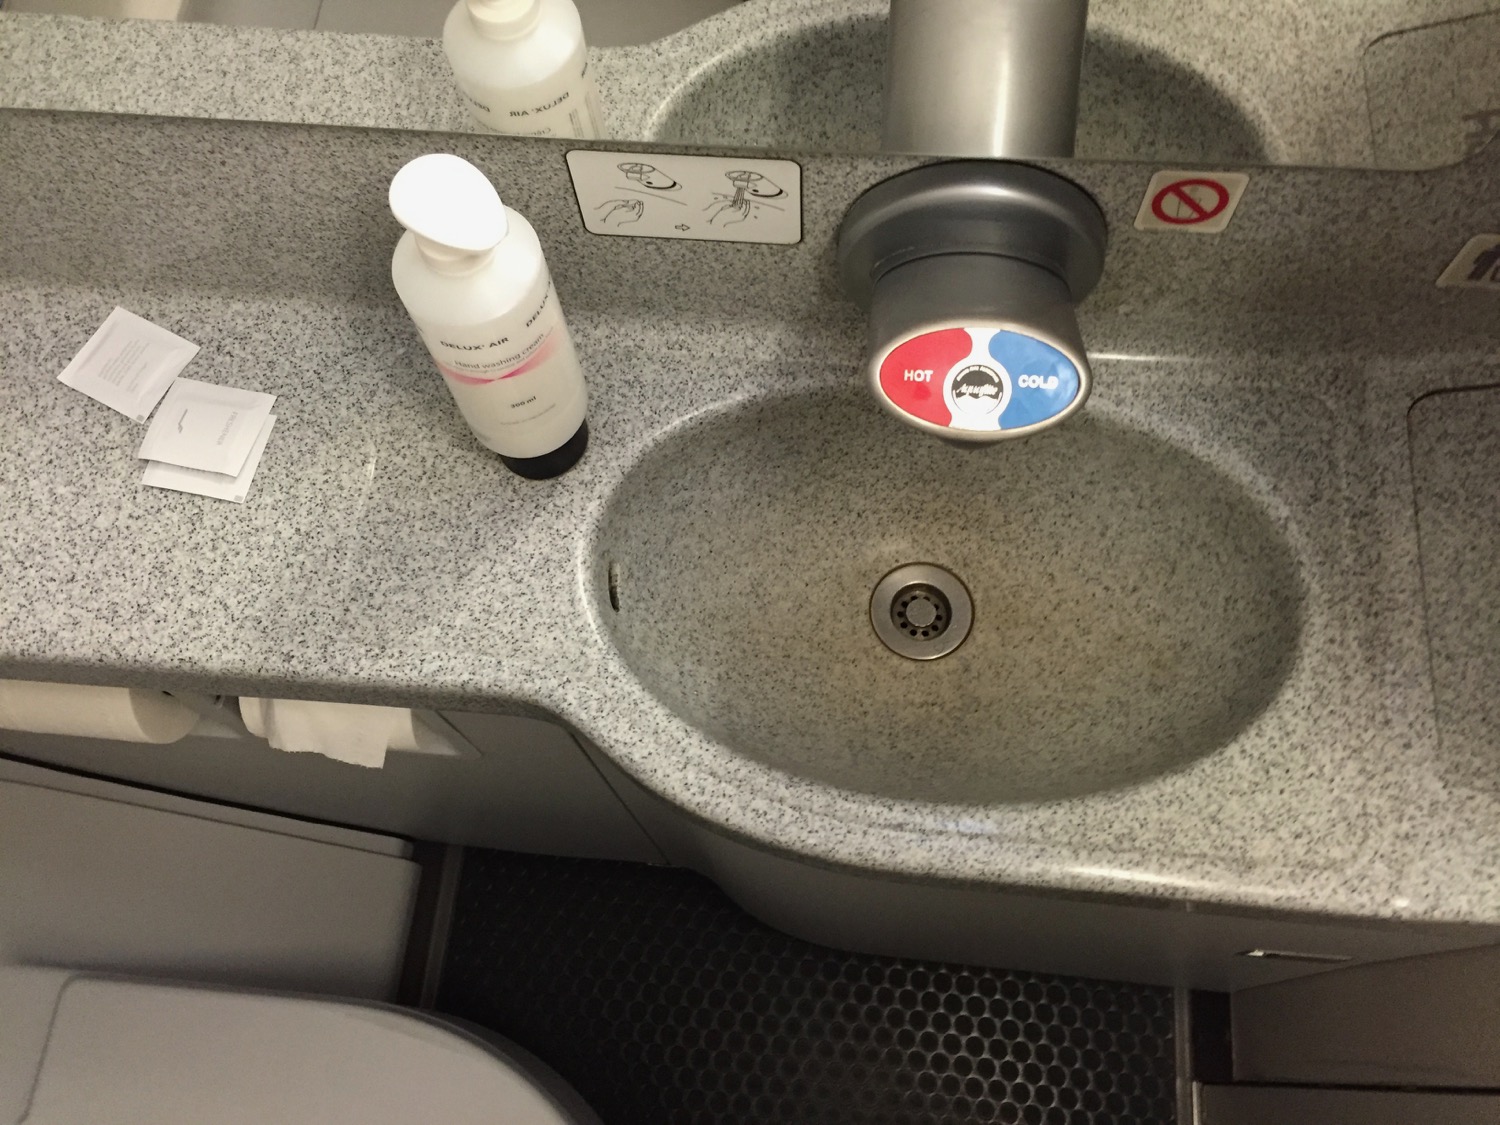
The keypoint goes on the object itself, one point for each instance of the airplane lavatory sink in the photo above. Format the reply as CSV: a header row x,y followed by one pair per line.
x,y
825,591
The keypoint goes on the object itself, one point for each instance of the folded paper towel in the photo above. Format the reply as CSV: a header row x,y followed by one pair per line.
x,y
121,714
356,733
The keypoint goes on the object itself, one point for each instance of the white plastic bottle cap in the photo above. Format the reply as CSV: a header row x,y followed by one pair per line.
x,y
449,205
504,19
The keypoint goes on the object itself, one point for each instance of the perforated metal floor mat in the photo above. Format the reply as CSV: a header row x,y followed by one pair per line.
x,y
663,1003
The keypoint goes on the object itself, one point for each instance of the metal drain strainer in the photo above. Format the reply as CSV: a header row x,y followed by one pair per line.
x,y
921,611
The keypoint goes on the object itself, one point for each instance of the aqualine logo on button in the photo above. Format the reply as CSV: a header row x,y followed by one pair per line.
x,y
978,390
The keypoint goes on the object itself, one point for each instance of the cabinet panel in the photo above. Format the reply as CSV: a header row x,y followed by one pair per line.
x,y
530,789
1419,1021
1171,943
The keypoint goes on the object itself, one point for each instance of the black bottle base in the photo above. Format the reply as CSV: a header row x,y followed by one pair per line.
x,y
553,464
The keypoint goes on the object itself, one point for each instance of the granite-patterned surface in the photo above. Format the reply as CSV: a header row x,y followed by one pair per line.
x,y
1135,607
1424,113
1281,82
231,73
383,556
1455,440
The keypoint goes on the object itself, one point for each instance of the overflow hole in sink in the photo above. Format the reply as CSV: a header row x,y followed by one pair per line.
x,y
613,583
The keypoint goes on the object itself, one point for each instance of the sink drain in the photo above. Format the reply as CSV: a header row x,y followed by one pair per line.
x,y
921,611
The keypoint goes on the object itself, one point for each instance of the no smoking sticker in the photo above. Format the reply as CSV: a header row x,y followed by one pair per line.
x,y
1202,202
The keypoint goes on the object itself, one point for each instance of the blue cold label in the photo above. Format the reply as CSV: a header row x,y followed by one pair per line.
x,y
1044,381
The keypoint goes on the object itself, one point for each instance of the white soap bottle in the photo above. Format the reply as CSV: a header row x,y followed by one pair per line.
x,y
522,65
471,274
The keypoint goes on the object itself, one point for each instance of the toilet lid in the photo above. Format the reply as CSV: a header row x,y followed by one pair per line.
x,y
139,1053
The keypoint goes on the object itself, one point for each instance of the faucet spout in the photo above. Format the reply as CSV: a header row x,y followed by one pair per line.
x,y
992,78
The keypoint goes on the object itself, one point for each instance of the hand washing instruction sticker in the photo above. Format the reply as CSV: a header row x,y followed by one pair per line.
x,y
1202,202
980,379
1476,267
720,199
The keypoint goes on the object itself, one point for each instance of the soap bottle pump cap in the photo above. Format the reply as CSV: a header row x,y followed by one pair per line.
x,y
504,19
451,207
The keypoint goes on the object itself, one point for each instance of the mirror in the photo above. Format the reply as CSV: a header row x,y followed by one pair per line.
x,y
1350,83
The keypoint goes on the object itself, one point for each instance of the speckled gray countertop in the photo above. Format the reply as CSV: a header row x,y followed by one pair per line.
x,y
385,557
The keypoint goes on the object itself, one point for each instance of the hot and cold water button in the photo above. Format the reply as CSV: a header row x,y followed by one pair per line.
x,y
971,271
1047,381
978,379
913,376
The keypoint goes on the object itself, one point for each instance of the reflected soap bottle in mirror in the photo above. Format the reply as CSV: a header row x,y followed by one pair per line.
x,y
522,65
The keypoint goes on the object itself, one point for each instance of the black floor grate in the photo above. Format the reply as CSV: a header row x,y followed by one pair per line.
x,y
662,1003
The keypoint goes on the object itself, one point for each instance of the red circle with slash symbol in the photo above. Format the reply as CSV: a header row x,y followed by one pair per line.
x,y
1185,202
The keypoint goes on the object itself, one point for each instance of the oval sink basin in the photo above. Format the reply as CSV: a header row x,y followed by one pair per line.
x,y
819,88
1133,608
